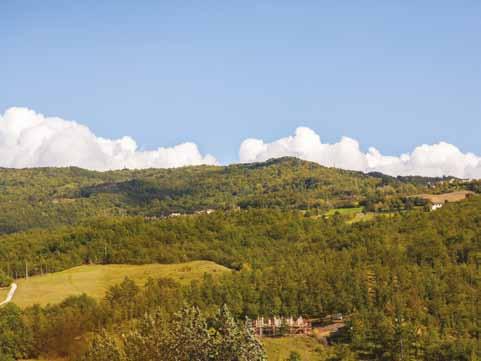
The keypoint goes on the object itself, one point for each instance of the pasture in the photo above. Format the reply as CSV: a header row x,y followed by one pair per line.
x,y
344,211
279,348
94,280
446,197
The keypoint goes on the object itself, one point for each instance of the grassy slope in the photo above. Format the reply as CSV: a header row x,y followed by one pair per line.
x,y
279,349
446,197
344,211
3,293
94,280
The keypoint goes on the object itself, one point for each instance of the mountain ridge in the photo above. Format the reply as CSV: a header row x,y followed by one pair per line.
x,y
48,197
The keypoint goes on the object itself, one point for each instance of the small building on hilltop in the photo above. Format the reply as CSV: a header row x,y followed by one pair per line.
x,y
280,326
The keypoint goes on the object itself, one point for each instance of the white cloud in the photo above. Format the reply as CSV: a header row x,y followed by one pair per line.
x,y
426,160
29,139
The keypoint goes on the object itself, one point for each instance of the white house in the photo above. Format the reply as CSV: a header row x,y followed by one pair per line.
x,y
435,206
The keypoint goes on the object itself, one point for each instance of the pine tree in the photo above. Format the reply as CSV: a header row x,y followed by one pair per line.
x,y
236,342
148,340
190,338
103,348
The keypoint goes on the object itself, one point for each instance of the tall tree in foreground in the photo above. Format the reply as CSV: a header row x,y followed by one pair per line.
x,y
104,348
187,337
15,338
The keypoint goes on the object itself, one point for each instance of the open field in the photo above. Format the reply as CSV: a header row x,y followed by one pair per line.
x,y
360,217
3,293
354,214
344,211
369,216
94,280
279,348
446,197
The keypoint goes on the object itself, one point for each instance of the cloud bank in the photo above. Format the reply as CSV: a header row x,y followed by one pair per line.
x,y
29,139
426,160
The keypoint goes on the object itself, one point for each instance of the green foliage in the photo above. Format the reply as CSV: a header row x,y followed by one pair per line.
x,y
103,348
234,341
294,356
186,337
123,297
410,282
15,338
50,197
5,280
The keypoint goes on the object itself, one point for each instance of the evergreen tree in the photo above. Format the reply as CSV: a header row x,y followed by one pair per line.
x,y
103,348
148,340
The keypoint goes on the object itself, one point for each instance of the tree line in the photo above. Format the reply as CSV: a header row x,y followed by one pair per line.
x,y
52,197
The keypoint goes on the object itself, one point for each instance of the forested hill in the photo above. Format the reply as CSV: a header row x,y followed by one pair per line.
x,y
406,280
46,197
411,281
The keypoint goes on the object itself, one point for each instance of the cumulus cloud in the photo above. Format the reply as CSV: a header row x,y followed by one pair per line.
x,y
425,160
29,139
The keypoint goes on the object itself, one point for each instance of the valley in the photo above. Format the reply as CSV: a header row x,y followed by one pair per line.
x,y
120,255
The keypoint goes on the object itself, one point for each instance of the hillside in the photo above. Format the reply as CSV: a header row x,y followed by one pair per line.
x,y
290,229
422,267
49,197
446,197
95,280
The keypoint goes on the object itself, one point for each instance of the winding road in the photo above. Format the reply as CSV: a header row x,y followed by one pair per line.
x,y
13,288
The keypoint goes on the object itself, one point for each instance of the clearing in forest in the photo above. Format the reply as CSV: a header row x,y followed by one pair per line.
x,y
94,280
279,348
446,197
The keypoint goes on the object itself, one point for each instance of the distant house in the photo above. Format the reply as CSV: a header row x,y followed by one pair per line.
x,y
205,211
436,206
437,201
278,326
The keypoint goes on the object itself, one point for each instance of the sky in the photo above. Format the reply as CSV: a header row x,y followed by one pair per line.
x,y
242,81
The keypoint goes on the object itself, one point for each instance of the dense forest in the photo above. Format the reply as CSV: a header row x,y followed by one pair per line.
x,y
409,282
50,197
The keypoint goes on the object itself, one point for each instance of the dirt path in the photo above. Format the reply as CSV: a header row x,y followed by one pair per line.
x,y
13,288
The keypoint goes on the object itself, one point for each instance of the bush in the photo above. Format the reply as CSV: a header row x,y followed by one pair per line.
x,y
5,280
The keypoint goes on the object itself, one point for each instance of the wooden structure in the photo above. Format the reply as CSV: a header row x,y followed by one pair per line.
x,y
280,326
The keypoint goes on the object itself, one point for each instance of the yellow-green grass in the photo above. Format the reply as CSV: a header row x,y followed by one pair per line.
x,y
279,348
94,280
361,217
3,293
344,211
369,216
446,197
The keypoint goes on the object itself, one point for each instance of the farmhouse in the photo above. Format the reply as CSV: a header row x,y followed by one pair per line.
x,y
279,326
205,211
435,206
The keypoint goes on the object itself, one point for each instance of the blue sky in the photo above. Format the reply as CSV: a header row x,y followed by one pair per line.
x,y
391,74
